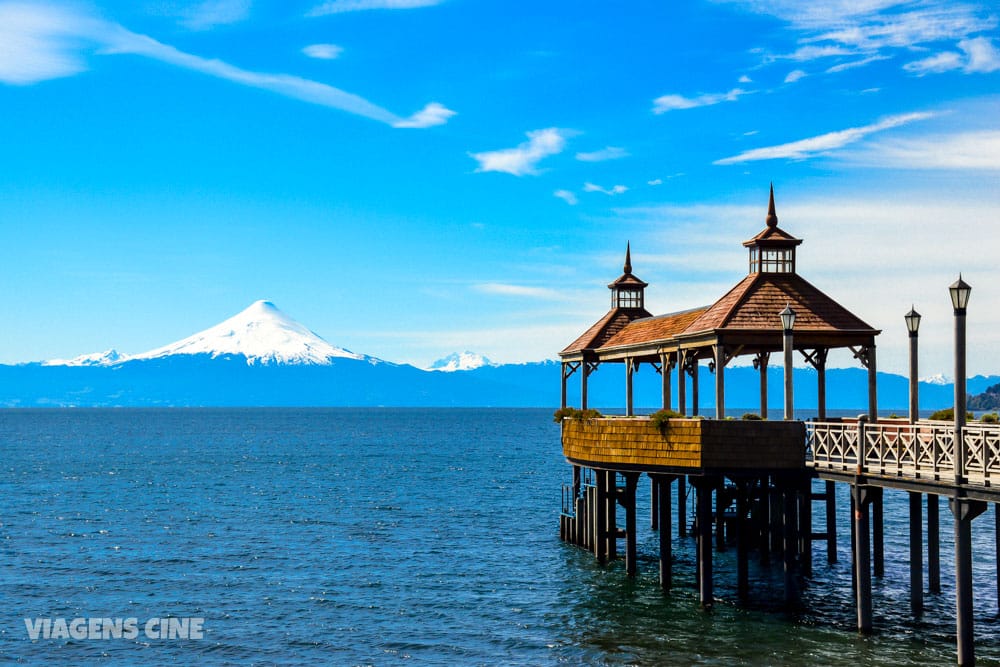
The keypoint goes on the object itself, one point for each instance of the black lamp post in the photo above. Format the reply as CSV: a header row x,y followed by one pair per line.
x,y
963,509
913,326
787,324
960,292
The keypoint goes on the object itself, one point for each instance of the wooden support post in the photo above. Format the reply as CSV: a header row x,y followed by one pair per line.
x,y
682,382
831,521
805,525
760,363
585,371
600,517
666,556
777,520
631,482
580,522
916,554
694,385
964,511
720,381
654,504
577,490
933,545
720,517
611,515
878,532
789,521
703,489
854,546
742,540
862,557
872,385
665,366
562,401
629,372
764,521
682,529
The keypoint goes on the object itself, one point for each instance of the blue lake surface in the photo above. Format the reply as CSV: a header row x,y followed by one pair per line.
x,y
385,536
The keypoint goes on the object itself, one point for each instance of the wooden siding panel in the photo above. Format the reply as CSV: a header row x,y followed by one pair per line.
x,y
691,444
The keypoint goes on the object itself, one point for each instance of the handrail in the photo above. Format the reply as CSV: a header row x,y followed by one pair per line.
x,y
925,450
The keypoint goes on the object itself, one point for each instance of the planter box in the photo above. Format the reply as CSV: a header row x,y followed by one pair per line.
x,y
686,445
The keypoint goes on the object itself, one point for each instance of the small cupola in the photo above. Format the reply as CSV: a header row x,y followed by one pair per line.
x,y
773,250
628,292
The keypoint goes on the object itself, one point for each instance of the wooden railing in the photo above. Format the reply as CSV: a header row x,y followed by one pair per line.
x,y
925,450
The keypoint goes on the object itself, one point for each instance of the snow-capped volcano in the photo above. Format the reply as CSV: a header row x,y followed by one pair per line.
x,y
264,335
261,333
460,361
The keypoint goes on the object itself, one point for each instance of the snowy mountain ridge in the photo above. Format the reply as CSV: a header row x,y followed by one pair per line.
x,y
460,361
262,333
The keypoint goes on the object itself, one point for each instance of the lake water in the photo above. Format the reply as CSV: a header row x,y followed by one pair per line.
x,y
341,536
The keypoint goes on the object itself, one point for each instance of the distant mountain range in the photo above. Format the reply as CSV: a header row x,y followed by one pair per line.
x,y
262,357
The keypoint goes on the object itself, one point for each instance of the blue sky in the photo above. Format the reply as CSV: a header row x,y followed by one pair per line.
x,y
411,178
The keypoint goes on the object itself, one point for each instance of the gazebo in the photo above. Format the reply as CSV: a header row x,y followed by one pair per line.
x,y
745,321
763,460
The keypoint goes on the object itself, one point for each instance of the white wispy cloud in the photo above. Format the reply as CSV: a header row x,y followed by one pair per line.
x,y
40,42
523,160
972,150
612,191
939,62
341,6
824,143
795,75
667,103
978,56
853,64
566,196
211,13
609,153
431,115
323,51
871,29
981,55
508,289
810,52
745,79
655,181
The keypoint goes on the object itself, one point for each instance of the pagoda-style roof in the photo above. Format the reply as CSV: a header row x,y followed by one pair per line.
x,y
662,327
744,320
754,303
604,330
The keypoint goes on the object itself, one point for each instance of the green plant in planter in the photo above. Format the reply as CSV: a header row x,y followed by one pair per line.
x,y
573,413
751,416
990,418
948,415
661,418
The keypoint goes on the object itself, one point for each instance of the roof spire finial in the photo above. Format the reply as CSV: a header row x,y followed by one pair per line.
x,y
772,217
628,257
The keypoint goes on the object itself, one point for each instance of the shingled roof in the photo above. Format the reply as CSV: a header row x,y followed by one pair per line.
x,y
650,329
754,303
604,329
739,318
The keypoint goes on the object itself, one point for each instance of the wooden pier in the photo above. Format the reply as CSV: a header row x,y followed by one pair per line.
x,y
753,479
